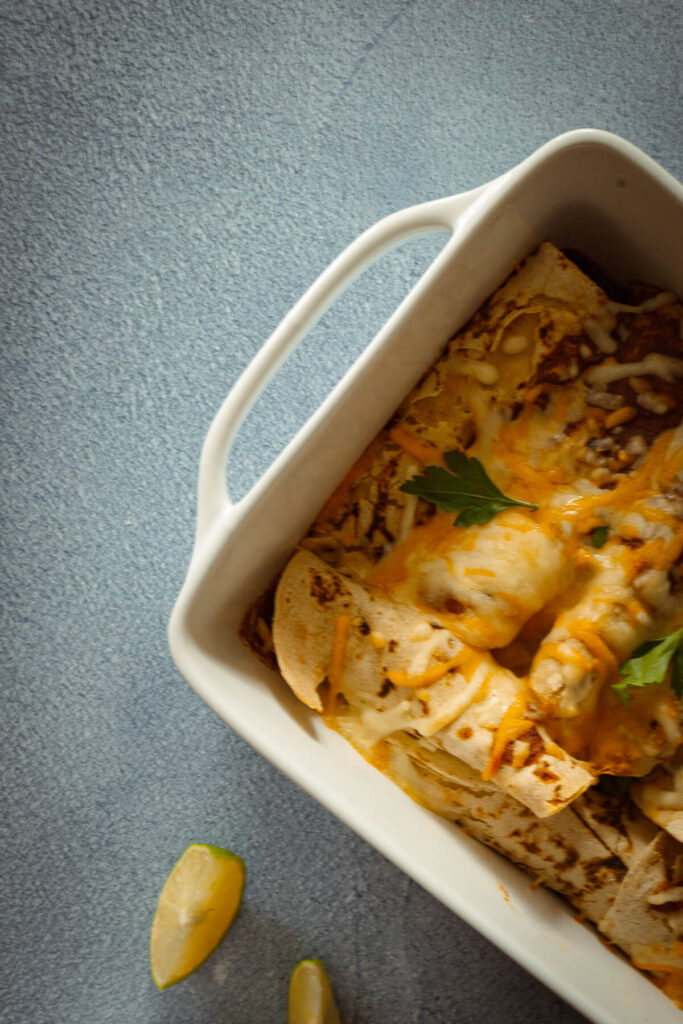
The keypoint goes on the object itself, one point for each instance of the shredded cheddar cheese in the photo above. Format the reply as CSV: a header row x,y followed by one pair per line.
x,y
418,449
340,642
597,647
433,674
513,724
566,654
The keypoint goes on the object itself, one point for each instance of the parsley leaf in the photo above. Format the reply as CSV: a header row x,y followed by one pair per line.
x,y
599,536
464,488
649,664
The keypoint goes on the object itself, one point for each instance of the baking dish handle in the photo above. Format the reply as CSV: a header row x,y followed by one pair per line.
x,y
213,497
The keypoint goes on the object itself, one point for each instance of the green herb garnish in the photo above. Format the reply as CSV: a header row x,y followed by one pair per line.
x,y
464,488
599,536
650,663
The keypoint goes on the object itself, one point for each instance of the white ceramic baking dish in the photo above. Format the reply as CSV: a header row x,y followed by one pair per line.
x,y
586,189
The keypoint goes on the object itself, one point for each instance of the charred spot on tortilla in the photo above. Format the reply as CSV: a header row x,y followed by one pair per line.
x,y
545,776
595,870
475,664
325,590
571,856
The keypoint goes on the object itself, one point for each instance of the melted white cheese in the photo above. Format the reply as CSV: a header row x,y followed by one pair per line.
x,y
600,337
449,698
379,724
479,370
514,344
502,578
648,306
672,895
654,365
653,403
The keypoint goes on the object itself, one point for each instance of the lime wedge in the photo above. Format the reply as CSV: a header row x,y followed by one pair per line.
x,y
311,999
196,907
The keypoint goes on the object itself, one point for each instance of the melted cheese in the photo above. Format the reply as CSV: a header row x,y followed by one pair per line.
x,y
668,368
554,448
483,582
410,444
379,724
449,702
339,645
601,338
442,700
648,306
431,675
623,415
494,602
512,726
479,370
514,344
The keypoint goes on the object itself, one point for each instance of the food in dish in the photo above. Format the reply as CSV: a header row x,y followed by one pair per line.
x,y
489,606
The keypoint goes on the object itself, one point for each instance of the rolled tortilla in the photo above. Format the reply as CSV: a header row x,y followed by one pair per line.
x,y
403,672
384,637
631,890
617,822
647,910
660,798
560,852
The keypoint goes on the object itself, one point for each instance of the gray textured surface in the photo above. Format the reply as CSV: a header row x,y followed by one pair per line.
x,y
173,175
